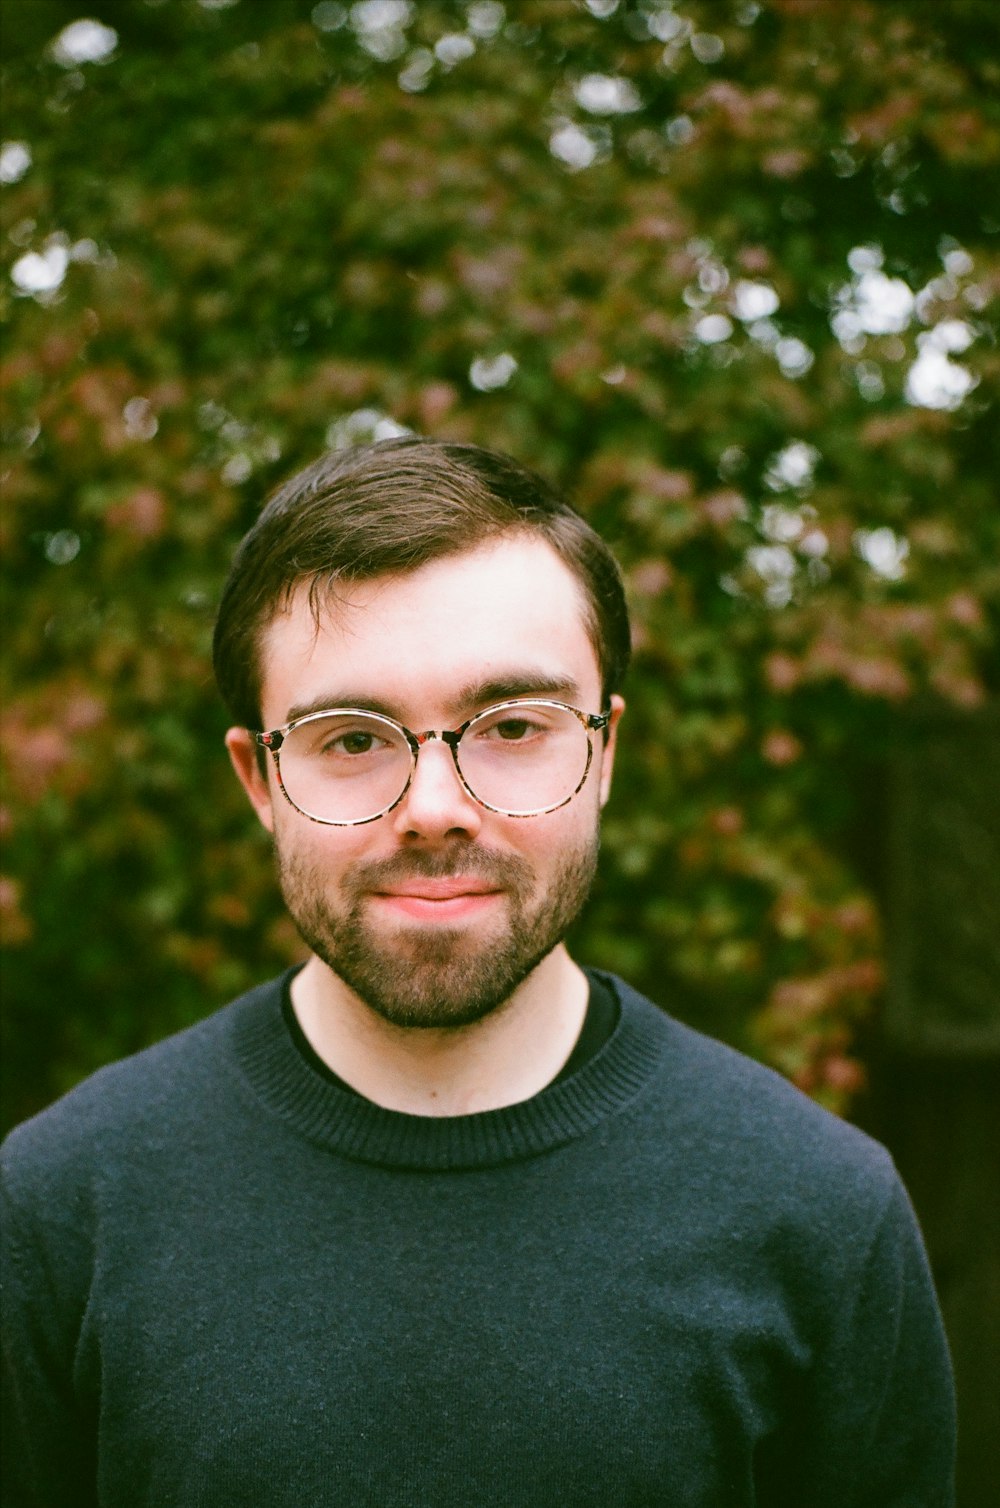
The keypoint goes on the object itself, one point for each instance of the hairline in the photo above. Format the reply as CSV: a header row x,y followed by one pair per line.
x,y
488,495
321,591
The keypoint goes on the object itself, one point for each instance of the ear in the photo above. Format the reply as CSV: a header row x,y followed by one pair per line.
x,y
243,754
610,744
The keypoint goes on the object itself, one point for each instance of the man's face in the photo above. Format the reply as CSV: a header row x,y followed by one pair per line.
x,y
435,912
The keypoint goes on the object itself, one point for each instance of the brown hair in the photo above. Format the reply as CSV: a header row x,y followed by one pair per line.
x,y
388,508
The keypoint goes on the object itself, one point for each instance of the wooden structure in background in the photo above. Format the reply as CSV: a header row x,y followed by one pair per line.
x,y
935,1098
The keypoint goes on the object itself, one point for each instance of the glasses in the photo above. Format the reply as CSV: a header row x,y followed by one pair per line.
x,y
522,758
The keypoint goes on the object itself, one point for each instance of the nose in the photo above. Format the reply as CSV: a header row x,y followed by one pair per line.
x,y
436,804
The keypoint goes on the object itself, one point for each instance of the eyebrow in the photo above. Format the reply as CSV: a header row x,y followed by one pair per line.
x,y
506,685
471,697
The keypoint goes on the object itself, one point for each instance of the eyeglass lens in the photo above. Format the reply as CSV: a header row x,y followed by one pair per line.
x,y
520,759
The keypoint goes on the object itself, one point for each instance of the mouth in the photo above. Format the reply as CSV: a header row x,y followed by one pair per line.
x,y
438,900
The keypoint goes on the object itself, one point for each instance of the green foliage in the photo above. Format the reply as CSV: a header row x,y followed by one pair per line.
x,y
717,238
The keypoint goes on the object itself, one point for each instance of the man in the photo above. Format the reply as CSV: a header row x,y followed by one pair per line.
x,y
440,1218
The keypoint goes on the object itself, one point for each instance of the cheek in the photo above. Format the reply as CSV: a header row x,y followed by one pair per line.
x,y
323,851
550,838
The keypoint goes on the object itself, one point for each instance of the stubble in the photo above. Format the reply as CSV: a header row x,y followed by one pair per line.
x,y
436,976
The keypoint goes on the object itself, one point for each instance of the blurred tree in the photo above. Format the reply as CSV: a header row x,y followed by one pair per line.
x,y
727,270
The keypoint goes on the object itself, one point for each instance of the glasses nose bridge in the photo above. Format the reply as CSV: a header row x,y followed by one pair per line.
x,y
451,737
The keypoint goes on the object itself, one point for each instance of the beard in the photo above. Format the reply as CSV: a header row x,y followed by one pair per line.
x,y
443,977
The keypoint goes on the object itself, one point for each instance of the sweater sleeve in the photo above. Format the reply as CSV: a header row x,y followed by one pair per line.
x,y
49,1448
878,1422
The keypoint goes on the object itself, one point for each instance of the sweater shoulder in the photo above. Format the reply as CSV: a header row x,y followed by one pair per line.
x,y
745,1121
152,1092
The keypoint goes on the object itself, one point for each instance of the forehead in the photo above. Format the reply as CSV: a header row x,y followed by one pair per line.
x,y
415,642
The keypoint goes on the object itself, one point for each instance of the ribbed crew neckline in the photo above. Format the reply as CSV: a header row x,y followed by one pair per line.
x,y
356,1128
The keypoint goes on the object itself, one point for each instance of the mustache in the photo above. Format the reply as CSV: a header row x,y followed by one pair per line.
x,y
506,871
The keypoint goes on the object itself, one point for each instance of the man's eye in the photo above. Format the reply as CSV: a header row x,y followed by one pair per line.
x,y
515,730
512,729
358,742
349,743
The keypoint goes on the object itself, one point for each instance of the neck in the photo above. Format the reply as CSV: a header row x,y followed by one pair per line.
x,y
507,1057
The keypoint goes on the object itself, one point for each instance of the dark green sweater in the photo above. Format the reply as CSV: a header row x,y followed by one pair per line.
x,y
669,1279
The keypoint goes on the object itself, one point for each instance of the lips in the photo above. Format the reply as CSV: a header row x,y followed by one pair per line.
x,y
453,899
448,888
